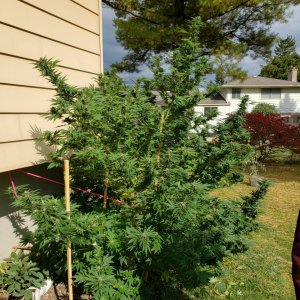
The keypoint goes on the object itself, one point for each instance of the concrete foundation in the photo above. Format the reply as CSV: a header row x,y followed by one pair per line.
x,y
13,226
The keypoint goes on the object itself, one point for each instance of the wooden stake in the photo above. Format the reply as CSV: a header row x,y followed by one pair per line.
x,y
68,210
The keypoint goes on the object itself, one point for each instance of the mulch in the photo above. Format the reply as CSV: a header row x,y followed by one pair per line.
x,y
59,292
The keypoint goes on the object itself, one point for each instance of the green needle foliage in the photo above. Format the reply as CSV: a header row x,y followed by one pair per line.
x,y
168,233
284,57
231,29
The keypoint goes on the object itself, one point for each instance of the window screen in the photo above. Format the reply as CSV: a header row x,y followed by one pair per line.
x,y
236,93
271,93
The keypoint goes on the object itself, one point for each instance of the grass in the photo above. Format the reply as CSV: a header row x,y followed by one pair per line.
x,y
264,271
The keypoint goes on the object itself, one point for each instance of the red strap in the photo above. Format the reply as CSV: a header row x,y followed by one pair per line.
x,y
13,185
62,184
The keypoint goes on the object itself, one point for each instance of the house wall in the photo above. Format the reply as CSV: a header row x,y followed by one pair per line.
x,y
13,225
289,102
223,111
68,30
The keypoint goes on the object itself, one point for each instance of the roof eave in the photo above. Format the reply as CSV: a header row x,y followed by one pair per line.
x,y
260,86
210,104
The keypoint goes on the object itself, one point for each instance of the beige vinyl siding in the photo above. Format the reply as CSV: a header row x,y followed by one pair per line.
x,y
20,71
18,154
23,16
29,29
68,55
20,99
69,11
88,4
15,127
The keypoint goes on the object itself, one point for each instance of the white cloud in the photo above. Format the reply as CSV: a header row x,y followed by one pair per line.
x,y
291,27
252,66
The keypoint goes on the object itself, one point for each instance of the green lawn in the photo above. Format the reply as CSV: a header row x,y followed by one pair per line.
x,y
264,271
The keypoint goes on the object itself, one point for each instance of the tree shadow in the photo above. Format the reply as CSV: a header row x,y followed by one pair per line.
x,y
42,148
5,207
20,225
279,172
158,289
288,104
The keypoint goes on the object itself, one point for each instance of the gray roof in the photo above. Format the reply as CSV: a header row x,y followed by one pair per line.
x,y
212,100
258,81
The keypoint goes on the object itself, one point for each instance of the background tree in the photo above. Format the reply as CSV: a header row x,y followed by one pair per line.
x,y
147,27
225,65
286,46
285,56
269,132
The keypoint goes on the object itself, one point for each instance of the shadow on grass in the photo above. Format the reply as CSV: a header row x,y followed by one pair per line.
x,y
157,289
279,172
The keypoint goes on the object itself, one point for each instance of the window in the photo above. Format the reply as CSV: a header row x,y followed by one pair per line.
x,y
208,111
236,93
270,93
296,119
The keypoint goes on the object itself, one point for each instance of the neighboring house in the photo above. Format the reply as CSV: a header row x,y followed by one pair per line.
x,y
67,30
284,94
214,103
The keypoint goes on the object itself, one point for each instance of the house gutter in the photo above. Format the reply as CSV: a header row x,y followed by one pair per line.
x,y
261,86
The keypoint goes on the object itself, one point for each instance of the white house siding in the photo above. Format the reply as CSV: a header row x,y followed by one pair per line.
x,y
223,110
29,29
289,102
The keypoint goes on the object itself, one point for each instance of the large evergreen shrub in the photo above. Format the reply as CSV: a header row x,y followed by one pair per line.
x,y
157,160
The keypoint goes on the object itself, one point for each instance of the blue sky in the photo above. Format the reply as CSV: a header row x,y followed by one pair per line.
x,y
114,52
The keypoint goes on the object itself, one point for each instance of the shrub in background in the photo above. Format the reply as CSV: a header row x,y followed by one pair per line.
x,y
265,108
270,132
